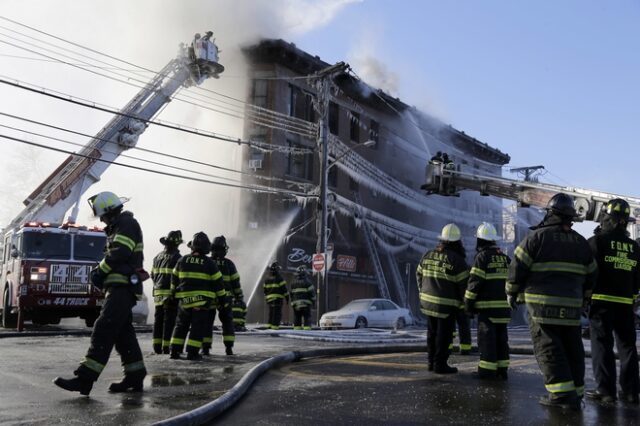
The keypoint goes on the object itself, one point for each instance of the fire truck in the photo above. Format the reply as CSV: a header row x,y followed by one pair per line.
x,y
444,178
46,258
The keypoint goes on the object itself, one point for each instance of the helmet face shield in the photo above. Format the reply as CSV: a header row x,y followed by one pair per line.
x,y
618,209
105,202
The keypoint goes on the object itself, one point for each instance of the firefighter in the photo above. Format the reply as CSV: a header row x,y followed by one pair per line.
x,y
463,324
239,309
231,279
485,296
275,292
165,305
612,306
120,276
442,279
302,299
198,287
555,269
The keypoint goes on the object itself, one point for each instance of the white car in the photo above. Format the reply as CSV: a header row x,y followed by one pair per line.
x,y
140,311
362,313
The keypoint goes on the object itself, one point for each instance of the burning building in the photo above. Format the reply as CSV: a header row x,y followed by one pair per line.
x,y
380,222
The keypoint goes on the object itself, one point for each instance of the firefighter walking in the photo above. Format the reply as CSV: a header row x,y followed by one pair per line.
x,y
198,287
120,275
166,307
614,296
302,299
275,292
485,296
442,276
231,279
555,270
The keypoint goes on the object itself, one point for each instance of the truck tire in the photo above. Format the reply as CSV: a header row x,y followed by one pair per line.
x,y
9,320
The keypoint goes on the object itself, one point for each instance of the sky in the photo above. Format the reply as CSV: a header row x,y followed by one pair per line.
x,y
550,83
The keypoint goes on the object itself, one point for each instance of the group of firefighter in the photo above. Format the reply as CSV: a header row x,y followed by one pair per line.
x,y
556,272
560,276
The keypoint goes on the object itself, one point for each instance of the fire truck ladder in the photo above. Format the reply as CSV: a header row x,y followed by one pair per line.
x,y
373,254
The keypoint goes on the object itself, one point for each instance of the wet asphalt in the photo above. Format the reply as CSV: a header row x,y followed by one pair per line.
x,y
390,389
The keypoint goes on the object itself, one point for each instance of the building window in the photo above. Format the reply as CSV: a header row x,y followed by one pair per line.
x,y
353,185
301,104
334,118
259,93
333,177
374,133
354,129
299,165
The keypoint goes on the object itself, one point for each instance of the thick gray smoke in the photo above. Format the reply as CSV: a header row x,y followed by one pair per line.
x,y
148,32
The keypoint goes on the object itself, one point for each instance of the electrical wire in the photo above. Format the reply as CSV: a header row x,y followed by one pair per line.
x,y
259,109
174,126
163,154
294,128
257,188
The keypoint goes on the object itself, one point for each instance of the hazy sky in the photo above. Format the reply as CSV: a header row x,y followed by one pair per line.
x,y
551,83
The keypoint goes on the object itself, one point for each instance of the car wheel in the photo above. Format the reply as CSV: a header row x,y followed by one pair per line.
x,y
400,323
361,322
9,320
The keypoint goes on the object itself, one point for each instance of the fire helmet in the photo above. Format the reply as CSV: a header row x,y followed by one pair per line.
x,y
172,238
219,245
450,233
618,209
105,202
562,204
274,267
487,231
200,243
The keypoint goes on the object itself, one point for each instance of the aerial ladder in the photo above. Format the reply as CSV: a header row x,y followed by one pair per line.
x,y
46,258
444,179
63,188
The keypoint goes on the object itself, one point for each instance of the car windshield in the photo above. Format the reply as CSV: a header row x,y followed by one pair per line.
x,y
356,305
46,245
89,247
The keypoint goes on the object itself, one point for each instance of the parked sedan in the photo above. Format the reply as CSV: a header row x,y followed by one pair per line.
x,y
367,313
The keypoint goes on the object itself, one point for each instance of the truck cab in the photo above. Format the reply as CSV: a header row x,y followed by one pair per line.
x,y
45,273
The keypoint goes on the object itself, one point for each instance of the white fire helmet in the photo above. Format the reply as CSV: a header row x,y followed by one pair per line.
x,y
487,231
450,233
105,202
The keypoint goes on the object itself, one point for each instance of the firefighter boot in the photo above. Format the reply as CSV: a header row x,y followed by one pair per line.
x,y
132,382
157,349
77,384
502,373
206,351
175,354
193,356
445,369
228,350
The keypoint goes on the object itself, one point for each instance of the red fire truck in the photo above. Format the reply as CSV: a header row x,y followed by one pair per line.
x,y
46,270
45,258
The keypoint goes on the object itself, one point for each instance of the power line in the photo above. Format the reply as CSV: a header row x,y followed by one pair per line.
x,y
293,128
175,157
257,108
174,126
257,188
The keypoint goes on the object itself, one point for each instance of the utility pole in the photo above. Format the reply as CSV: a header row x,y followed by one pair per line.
x,y
528,172
324,81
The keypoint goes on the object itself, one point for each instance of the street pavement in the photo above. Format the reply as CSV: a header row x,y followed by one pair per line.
x,y
390,389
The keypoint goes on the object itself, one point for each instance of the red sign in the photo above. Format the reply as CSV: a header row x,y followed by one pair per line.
x,y
346,263
318,262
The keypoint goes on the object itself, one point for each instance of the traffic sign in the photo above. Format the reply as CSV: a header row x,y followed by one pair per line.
x,y
317,262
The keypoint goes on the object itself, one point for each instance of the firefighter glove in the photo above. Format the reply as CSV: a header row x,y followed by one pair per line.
x,y
97,277
511,299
